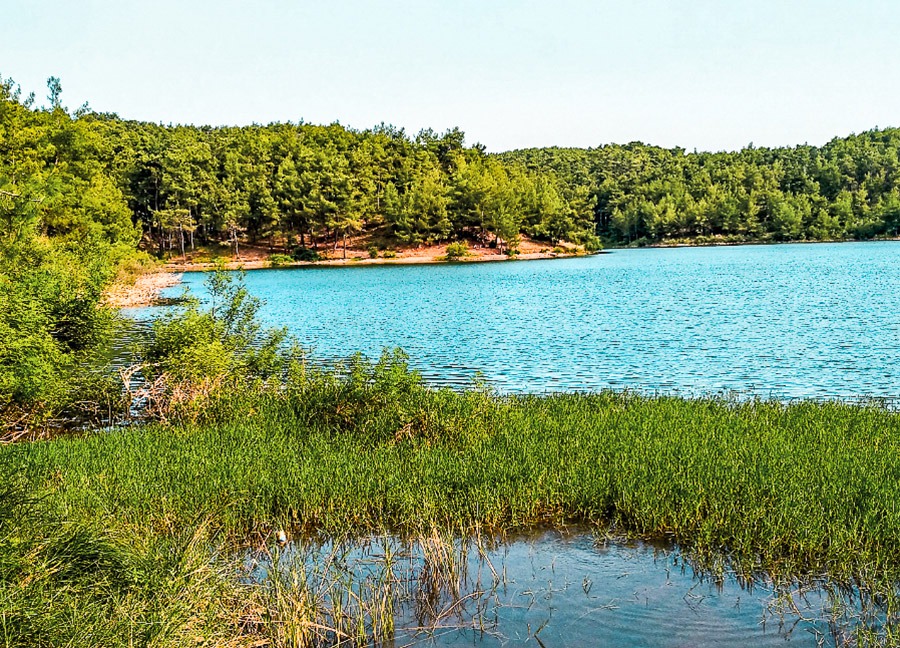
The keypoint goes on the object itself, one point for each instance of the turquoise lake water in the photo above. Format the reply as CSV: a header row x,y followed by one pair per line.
x,y
779,321
782,321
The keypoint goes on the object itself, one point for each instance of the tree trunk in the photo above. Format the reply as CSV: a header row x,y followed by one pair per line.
x,y
160,239
345,245
181,237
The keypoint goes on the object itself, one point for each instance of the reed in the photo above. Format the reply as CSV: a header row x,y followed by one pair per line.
x,y
800,487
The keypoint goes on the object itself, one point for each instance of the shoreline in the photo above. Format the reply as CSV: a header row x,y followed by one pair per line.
x,y
264,264
144,291
681,244
357,261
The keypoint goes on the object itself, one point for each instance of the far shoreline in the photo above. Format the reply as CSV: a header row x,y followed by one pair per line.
x,y
262,264
252,264
706,244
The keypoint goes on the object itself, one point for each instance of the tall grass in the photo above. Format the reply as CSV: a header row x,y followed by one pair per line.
x,y
105,525
799,487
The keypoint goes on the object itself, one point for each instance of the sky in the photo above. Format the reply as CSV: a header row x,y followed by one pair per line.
x,y
702,74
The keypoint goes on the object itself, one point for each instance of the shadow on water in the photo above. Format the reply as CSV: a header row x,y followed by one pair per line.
x,y
547,589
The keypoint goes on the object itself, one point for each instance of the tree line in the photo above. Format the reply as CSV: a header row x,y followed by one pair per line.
x,y
847,189
312,185
309,185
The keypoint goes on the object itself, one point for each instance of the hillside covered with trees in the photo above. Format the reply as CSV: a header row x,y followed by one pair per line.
x,y
290,185
846,189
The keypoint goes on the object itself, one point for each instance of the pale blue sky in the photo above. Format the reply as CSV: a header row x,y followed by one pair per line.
x,y
706,74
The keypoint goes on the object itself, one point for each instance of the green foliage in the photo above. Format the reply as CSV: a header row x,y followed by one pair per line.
x,y
74,174
798,488
373,252
82,173
75,583
640,193
51,321
65,232
457,250
592,243
277,260
305,254
222,341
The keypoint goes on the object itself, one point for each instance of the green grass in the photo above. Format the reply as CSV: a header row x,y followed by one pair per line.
x,y
137,524
804,487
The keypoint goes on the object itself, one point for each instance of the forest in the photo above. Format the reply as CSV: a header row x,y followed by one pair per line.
x,y
86,197
847,189
290,185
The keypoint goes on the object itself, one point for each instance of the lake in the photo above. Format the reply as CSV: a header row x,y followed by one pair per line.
x,y
782,321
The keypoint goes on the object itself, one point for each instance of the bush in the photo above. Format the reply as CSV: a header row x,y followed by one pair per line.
x,y
278,260
305,254
593,244
389,254
52,324
457,250
194,352
373,252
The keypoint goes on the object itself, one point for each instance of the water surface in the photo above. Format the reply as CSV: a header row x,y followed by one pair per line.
x,y
782,320
565,590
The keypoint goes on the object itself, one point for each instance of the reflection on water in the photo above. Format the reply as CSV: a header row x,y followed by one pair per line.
x,y
783,321
561,590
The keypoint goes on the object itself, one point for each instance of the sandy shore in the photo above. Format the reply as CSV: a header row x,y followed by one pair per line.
x,y
143,292
255,264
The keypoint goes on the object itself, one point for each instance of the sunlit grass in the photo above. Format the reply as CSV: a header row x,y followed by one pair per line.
x,y
146,524
802,487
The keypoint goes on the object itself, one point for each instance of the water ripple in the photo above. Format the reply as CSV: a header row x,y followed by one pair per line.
x,y
786,321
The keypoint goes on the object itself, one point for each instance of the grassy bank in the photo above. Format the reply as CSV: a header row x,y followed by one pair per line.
x,y
109,521
807,486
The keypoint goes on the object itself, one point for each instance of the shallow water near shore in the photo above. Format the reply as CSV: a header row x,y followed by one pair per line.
x,y
553,589
782,321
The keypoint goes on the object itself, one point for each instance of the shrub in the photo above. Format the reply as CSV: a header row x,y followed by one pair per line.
x,y
278,260
305,254
389,254
457,250
193,352
373,252
593,244
52,324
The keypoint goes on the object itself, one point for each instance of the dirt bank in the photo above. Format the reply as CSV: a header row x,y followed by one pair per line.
x,y
143,292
